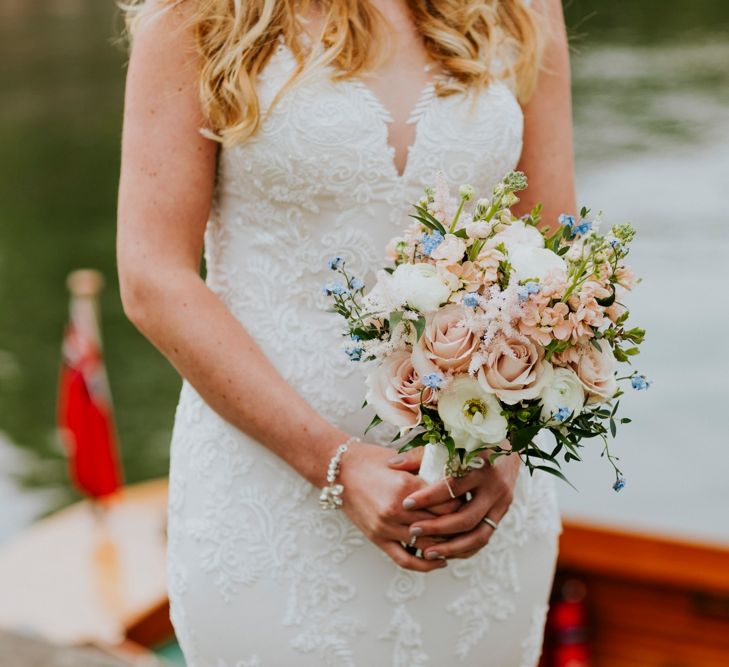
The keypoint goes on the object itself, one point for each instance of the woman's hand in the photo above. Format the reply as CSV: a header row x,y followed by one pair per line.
x,y
373,499
491,488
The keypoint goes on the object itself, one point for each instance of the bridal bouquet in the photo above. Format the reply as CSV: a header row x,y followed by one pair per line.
x,y
485,330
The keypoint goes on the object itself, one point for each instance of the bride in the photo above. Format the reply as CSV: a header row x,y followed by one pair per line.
x,y
273,135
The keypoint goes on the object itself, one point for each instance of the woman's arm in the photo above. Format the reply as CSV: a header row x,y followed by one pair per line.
x,y
547,158
167,181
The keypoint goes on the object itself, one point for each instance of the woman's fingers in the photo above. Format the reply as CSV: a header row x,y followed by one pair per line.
x,y
408,461
464,519
468,543
410,562
399,533
439,492
447,507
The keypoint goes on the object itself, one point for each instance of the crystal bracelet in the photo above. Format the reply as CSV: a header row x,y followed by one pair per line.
x,y
330,497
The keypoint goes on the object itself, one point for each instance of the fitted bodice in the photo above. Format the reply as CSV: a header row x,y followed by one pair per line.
x,y
318,179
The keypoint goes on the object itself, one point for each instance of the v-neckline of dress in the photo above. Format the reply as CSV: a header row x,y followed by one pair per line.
x,y
422,103
384,116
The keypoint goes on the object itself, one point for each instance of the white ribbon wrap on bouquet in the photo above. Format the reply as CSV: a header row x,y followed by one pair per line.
x,y
434,460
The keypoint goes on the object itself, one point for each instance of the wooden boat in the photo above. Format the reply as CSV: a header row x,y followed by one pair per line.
x,y
91,576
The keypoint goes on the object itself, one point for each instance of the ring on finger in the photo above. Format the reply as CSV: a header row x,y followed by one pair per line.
x,y
489,521
449,487
413,540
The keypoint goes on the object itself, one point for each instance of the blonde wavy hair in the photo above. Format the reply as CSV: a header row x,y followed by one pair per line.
x,y
236,38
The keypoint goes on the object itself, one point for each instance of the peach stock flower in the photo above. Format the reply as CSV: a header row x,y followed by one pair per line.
x,y
488,261
470,277
625,277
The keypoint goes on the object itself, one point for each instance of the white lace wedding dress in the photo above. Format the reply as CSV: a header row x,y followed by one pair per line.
x,y
259,575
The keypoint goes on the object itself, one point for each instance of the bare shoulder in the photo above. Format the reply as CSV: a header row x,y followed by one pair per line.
x,y
163,113
163,46
167,166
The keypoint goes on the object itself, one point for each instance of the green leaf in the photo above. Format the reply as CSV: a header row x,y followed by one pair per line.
x,y
450,443
425,222
523,436
375,420
432,221
419,326
417,441
394,319
539,453
556,473
365,334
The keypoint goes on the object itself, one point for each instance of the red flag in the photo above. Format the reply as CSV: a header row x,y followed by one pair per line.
x,y
85,416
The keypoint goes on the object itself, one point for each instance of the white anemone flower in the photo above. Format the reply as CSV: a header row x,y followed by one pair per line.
x,y
471,415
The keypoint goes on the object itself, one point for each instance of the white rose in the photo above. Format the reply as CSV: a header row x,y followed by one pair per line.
x,y
529,262
564,391
419,286
471,415
519,233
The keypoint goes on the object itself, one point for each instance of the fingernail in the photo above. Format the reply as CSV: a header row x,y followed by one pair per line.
x,y
433,555
395,460
416,530
408,503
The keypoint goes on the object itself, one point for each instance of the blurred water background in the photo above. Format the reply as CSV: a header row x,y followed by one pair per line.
x,y
651,93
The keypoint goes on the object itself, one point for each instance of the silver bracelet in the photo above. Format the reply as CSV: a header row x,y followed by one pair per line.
x,y
330,497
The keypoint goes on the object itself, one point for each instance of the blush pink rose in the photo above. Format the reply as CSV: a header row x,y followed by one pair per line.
x,y
446,344
394,389
514,370
596,370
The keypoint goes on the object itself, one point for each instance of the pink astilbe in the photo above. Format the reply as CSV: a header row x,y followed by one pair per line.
x,y
443,207
501,312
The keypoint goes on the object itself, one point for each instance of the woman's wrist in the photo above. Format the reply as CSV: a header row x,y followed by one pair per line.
x,y
331,494
317,452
